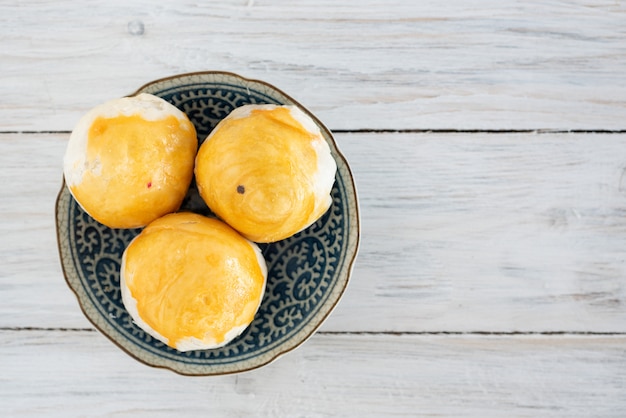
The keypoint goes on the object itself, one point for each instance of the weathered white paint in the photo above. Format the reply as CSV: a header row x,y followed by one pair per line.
x,y
489,232
392,64
460,232
69,374
476,232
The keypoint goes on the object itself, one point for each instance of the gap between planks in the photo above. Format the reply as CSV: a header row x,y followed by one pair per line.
x,y
385,333
415,131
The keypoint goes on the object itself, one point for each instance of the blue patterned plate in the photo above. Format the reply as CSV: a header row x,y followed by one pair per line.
x,y
307,273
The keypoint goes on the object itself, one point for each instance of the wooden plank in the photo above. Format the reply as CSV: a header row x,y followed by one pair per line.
x,y
82,374
384,65
496,233
488,232
34,292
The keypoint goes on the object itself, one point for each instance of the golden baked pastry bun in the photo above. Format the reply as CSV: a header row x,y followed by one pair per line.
x,y
267,171
191,281
130,160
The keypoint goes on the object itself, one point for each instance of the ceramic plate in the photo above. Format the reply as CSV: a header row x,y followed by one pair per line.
x,y
307,273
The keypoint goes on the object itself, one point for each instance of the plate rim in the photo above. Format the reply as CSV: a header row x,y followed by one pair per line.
x,y
350,263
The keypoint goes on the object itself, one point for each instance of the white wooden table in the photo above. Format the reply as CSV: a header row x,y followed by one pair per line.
x,y
488,143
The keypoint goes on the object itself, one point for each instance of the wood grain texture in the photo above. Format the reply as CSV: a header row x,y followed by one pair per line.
x,y
490,280
398,64
489,232
460,233
82,374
